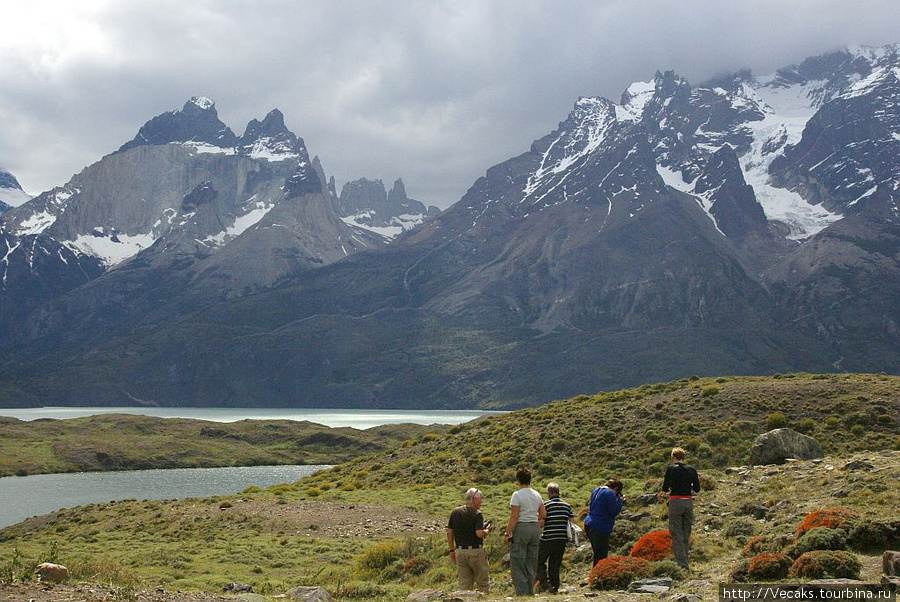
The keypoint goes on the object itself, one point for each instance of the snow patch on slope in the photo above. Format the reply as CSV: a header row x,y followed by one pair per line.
x,y
595,118
271,150
876,78
14,197
787,110
111,250
674,179
241,224
204,148
635,99
398,225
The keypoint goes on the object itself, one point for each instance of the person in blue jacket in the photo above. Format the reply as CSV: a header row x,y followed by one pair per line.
x,y
604,506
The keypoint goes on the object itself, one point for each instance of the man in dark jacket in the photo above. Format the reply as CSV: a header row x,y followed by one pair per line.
x,y
604,506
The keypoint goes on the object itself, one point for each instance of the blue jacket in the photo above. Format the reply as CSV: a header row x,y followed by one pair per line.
x,y
604,508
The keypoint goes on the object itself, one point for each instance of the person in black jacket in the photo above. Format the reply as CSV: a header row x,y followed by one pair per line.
x,y
681,483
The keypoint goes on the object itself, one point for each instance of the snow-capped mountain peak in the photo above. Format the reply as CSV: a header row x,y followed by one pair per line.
x,y
203,103
634,99
271,140
589,124
11,193
197,121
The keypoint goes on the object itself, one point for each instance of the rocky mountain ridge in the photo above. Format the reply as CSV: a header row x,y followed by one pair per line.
x,y
366,204
743,226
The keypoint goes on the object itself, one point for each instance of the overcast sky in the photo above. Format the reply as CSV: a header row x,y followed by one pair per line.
x,y
432,91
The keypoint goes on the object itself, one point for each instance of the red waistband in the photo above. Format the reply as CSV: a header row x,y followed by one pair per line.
x,y
681,497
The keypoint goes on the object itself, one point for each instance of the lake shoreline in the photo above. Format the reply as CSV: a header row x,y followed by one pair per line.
x,y
24,497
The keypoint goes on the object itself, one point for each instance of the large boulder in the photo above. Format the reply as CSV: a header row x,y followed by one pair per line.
x,y
891,563
48,571
309,594
777,446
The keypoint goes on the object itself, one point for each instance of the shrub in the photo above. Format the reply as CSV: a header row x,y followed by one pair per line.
x,y
776,420
709,391
742,526
826,564
818,538
741,572
415,566
873,536
807,426
834,518
707,483
616,572
667,568
313,491
769,566
656,545
624,533
764,543
378,557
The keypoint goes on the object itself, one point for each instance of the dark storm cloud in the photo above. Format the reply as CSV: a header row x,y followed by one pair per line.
x,y
434,92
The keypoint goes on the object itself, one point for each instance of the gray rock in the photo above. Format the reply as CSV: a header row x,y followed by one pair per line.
x,y
684,598
857,465
778,445
661,585
251,598
647,499
310,594
237,587
757,511
425,595
890,562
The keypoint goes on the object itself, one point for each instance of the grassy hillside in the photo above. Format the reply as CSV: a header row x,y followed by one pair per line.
x,y
372,528
630,432
126,442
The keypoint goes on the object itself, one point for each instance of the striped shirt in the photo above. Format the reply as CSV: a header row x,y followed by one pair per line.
x,y
558,515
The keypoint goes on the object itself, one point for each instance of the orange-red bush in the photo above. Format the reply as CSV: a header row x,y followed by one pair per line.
x,y
616,572
833,518
656,545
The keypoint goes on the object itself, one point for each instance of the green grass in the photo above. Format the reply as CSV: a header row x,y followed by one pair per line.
x,y
629,433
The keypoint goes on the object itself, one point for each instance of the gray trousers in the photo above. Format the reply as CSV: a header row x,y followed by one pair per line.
x,y
681,517
523,557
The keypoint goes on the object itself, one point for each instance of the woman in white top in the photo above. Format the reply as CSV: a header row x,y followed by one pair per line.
x,y
523,532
